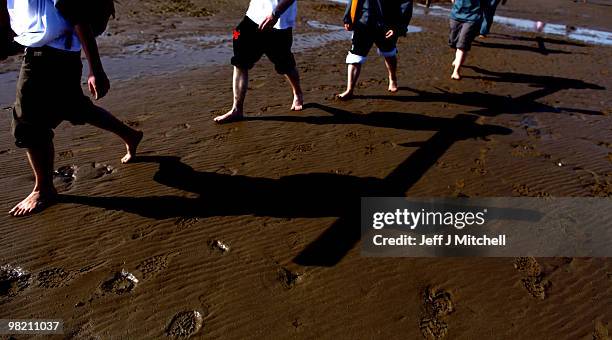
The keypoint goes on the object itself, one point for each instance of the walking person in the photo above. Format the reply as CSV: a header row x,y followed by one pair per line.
x,y
379,22
489,8
49,88
465,20
266,29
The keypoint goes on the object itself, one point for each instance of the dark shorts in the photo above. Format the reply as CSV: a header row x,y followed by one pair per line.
x,y
363,40
250,44
48,92
462,34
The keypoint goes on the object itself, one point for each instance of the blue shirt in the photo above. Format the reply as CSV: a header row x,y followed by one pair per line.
x,y
38,23
466,10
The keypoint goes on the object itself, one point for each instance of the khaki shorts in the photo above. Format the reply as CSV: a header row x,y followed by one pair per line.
x,y
48,93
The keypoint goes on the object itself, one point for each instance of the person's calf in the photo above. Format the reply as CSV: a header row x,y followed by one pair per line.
x,y
298,96
391,64
353,72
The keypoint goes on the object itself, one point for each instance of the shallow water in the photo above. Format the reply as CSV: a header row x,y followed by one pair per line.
x,y
172,55
582,34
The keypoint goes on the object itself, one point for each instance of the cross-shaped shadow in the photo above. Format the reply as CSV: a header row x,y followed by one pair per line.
x,y
308,195
493,104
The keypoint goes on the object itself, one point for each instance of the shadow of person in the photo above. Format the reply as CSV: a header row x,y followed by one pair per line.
x,y
310,195
304,195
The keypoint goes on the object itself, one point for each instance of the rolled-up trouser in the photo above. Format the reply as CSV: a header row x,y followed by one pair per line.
x,y
48,92
364,38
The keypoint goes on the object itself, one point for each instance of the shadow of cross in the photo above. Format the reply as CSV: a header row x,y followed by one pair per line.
x,y
335,242
309,195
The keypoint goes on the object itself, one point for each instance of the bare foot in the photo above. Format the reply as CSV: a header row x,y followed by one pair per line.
x,y
392,86
231,116
346,95
131,147
456,76
482,36
35,202
298,102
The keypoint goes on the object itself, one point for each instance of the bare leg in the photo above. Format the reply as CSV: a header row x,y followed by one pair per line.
x,y
106,121
460,56
298,97
391,63
240,85
353,75
44,193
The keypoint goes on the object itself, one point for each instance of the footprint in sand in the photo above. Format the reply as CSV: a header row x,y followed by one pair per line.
x,y
528,266
601,331
64,177
219,246
524,190
288,278
152,266
93,171
479,163
433,328
438,305
183,223
185,324
281,277
13,280
54,278
533,280
123,282
536,286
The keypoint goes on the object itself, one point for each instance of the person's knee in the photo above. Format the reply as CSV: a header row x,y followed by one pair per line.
x,y
286,66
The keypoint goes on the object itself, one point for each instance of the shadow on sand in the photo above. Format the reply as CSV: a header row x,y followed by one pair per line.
x,y
492,104
309,195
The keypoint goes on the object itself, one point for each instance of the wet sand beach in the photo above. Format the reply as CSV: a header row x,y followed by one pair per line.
x,y
251,229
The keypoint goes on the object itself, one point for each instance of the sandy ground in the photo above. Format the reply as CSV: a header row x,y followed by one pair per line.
x,y
254,225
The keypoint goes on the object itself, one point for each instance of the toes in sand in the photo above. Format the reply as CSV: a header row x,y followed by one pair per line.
x,y
36,201
346,95
231,116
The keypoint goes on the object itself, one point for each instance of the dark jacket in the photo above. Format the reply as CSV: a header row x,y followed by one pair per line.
x,y
381,14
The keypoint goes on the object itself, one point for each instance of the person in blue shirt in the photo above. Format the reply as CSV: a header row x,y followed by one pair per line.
x,y
488,14
465,20
49,89
379,22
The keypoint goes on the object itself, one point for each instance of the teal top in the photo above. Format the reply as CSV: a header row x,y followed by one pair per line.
x,y
466,10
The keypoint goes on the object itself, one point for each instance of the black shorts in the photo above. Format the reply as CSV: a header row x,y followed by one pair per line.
x,y
462,34
250,44
363,40
48,92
